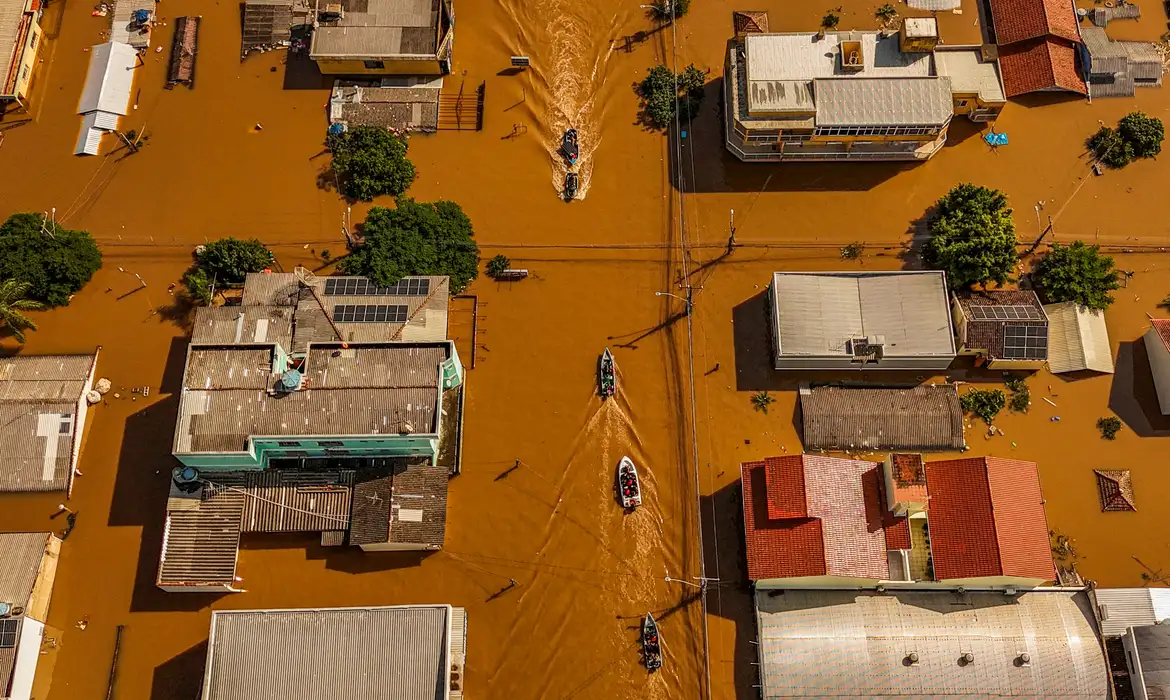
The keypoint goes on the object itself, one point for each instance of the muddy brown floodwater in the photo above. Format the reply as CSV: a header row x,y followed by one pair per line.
x,y
585,572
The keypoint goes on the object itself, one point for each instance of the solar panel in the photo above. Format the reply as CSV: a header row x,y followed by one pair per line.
x,y
1025,342
361,287
369,313
1014,312
8,633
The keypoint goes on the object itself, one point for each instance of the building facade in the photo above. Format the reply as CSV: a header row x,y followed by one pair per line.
x,y
28,570
20,38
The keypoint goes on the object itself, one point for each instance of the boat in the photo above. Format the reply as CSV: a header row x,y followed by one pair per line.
x,y
606,377
569,147
570,186
629,488
651,644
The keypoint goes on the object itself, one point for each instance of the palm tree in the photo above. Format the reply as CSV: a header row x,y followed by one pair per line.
x,y
13,303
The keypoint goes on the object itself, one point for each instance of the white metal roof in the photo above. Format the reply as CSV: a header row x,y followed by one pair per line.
x,y
1121,608
802,56
883,101
819,312
969,73
1077,339
109,80
849,644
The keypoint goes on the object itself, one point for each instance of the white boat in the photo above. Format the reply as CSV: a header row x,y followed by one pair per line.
x,y
629,488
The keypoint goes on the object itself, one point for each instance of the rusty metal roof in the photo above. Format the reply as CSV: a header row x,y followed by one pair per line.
x,y
912,418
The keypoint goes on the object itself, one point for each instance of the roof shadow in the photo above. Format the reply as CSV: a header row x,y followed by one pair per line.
x,y
1132,396
353,560
181,676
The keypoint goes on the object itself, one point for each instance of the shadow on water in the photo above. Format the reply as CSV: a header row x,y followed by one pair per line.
x,y
301,73
181,676
1132,396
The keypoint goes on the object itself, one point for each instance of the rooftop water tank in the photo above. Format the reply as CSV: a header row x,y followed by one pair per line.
x,y
290,380
5,609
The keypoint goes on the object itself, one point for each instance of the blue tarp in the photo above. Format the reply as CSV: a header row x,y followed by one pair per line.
x,y
996,139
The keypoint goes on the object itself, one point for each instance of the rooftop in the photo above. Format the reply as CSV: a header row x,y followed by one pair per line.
x,y
922,101
986,518
1020,20
21,555
1008,324
1041,64
39,426
1151,646
377,28
845,644
409,652
1162,327
920,418
1115,489
1118,609
1077,339
12,21
820,313
969,72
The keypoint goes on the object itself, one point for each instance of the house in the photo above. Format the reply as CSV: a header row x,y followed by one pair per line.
x,y
859,95
920,645
1147,658
383,37
920,418
1077,339
1157,342
405,652
1118,68
106,95
28,569
1119,609
20,40
860,320
42,419
1004,329
825,522
1038,42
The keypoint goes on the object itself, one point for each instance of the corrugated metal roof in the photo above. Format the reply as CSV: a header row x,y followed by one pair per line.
x,y
283,500
12,21
390,653
1121,608
883,101
916,418
419,506
1151,672
1077,339
222,369
846,644
20,560
110,79
243,325
380,28
820,312
202,538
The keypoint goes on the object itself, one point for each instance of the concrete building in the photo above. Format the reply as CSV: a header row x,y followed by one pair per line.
x,y
383,37
20,42
1003,329
859,95
42,419
1118,68
28,569
1077,339
1157,341
825,522
920,418
929,645
404,652
861,320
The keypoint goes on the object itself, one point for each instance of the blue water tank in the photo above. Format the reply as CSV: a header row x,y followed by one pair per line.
x,y
290,380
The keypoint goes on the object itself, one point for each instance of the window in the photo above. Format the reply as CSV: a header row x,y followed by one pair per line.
x,y
374,65
296,453
289,443
330,443
32,44
24,73
66,425
962,103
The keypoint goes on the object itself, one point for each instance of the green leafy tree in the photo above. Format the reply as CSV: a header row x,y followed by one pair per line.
x,y
229,260
198,285
1143,132
416,238
664,11
662,90
972,237
497,265
1079,273
14,302
1109,427
56,262
886,12
985,403
371,161
830,21
1109,147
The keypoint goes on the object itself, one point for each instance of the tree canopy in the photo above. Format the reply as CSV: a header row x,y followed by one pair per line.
x,y
56,262
1079,273
1138,135
972,237
229,260
416,238
371,161
13,304
668,10
659,94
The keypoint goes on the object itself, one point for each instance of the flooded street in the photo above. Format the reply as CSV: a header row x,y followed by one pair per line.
x,y
586,573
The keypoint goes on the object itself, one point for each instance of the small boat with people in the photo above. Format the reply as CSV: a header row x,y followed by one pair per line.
x,y
570,191
629,488
569,148
651,644
606,376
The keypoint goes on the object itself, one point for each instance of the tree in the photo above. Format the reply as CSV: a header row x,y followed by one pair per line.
x,y
371,161
229,260
198,285
1144,132
1109,147
985,403
886,12
1109,427
1079,273
830,21
664,11
416,238
662,90
14,301
497,265
972,237
56,262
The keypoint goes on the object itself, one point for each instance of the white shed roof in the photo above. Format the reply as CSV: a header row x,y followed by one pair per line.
x,y
1077,339
109,80
1121,608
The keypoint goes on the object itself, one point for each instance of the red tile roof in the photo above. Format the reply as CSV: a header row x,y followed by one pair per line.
x,y
909,474
1020,20
1162,326
986,518
1040,64
844,533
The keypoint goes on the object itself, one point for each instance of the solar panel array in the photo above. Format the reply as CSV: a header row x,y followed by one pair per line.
x,y
362,287
1016,312
369,313
1025,342
8,633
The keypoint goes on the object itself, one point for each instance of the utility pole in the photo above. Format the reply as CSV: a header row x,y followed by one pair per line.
x,y
731,237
